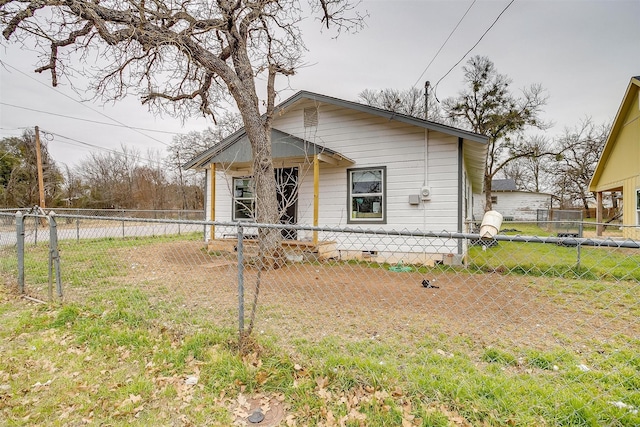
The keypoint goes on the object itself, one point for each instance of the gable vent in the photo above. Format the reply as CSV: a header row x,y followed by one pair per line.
x,y
310,117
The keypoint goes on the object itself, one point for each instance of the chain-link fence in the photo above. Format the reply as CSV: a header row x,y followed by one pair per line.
x,y
546,327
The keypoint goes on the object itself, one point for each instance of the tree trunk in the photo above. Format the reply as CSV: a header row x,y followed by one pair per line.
x,y
585,205
266,208
487,193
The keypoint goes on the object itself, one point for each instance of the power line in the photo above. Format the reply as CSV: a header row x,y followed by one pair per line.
x,y
443,44
83,143
435,88
87,120
4,63
13,129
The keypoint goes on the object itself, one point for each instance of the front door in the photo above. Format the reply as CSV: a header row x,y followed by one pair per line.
x,y
287,191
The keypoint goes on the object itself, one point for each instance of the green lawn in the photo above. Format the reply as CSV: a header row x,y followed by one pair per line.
x,y
112,362
122,357
554,260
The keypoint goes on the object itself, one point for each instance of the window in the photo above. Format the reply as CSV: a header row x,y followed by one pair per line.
x,y
243,199
244,205
366,199
494,200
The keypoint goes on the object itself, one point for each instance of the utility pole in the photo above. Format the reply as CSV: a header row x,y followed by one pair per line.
x,y
39,164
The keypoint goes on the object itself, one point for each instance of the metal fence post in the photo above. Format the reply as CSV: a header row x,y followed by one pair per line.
x,y
240,282
35,230
20,249
54,256
578,249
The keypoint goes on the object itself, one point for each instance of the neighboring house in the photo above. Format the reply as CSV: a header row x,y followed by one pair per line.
x,y
513,204
344,164
618,168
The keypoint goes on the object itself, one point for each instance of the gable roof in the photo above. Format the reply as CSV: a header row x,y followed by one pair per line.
x,y
282,145
503,185
475,145
391,115
630,95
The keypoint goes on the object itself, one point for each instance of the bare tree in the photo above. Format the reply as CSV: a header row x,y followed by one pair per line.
x,y
487,106
581,148
184,57
75,190
150,183
409,102
186,146
535,172
110,178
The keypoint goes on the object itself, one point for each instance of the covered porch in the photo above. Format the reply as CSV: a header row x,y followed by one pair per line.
x,y
233,158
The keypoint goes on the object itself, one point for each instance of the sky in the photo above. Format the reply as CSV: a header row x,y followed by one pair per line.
x,y
583,52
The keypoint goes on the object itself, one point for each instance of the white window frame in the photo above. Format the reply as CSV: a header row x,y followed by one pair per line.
x,y
352,217
247,201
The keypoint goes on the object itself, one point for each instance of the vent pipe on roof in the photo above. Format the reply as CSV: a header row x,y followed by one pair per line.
x,y
427,84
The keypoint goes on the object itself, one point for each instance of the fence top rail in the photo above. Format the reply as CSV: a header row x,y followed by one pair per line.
x,y
118,210
12,211
241,226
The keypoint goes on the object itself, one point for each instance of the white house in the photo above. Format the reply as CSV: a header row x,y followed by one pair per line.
x,y
513,204
344,164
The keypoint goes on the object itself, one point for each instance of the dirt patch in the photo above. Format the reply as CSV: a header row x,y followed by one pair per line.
x,y
315,300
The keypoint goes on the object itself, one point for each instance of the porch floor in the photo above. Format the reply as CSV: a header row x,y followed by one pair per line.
x,y
293,248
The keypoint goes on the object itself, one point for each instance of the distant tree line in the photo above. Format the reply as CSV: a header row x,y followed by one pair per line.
x,y
122,179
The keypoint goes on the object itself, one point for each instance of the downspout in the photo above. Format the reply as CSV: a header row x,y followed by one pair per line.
x,y
212,197
316,196
425,182
460,193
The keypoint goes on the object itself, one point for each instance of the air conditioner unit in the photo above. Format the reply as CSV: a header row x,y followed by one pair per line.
x,y
425,193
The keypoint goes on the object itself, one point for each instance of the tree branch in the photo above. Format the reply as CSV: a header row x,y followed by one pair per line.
x,y
53,57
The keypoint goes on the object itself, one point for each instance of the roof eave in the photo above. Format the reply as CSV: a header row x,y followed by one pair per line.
x,y
634,86
390,115
202,158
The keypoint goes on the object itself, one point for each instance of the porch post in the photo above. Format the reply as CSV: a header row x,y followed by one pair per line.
x,y
316,195
212,198
599,227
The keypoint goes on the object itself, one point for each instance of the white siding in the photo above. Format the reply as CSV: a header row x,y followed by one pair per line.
x,y
519,205
223,202
371,141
